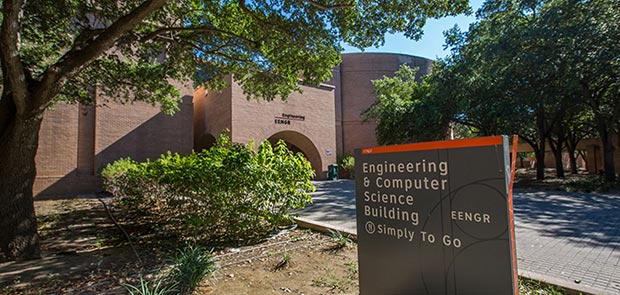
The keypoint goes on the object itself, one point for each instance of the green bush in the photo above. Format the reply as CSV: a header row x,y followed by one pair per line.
x,y
588,184
346,163
230,193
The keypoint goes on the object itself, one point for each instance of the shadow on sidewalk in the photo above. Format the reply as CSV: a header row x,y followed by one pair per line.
x,y
593,219
336,198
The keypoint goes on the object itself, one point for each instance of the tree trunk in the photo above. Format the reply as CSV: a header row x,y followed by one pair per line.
x,y
556,148
539,152
540,163
542,137
608,151
572,157
559,165
19,138
608,157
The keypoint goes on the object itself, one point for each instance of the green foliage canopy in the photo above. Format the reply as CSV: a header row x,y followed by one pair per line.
x,y
267,45
533,67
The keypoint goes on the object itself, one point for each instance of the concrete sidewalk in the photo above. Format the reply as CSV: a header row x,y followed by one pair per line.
x,y
567,239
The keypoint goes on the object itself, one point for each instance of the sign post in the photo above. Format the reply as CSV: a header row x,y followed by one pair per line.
x,y
436,218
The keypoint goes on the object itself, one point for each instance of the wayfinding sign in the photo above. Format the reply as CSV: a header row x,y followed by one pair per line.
x,y
436,218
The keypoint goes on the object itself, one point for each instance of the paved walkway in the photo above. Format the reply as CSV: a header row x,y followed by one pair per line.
x,y
567,239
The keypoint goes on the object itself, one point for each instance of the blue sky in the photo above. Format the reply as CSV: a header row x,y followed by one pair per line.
x,y
432,43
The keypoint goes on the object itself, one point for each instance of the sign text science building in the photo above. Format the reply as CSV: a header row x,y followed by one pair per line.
x,y
436,218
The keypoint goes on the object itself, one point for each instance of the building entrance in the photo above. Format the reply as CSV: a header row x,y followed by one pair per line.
x,y
298,142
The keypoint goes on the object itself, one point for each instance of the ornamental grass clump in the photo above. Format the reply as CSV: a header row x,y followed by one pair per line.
x,y
145,287
230,193
192,265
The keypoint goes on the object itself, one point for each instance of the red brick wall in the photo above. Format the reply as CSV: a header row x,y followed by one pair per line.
x,y
356,94
212,115
57,156
595,154
77,142
315,135
593,148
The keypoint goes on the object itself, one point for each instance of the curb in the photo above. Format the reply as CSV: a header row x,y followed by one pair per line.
x,y
323,227
570,287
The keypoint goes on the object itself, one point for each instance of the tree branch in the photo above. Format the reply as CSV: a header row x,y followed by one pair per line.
x,y
14,77
467,123
205,28
326,7
217,52
77,58
263,23
532,143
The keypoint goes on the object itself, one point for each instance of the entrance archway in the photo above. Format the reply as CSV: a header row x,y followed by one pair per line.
x,y
298,142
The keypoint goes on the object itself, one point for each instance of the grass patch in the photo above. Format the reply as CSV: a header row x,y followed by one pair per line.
x,y
339,240
192,264
150,288
534,287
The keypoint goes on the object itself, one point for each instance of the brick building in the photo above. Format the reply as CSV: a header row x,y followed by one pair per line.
x,y
322,122
76,142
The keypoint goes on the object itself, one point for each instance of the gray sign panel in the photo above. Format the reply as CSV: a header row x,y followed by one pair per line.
x,y
435,218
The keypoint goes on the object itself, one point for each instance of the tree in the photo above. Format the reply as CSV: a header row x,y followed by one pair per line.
x,y
579,125
546,70
53,51
405,109
589,34
525,66
502,69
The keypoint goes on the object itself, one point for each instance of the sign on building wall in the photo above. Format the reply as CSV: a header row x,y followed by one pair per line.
x,y
436,218
285,119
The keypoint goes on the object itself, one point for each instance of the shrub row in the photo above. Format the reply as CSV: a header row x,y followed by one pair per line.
x,y
230,193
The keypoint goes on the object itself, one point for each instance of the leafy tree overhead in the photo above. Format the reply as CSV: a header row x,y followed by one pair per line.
x,y
52,51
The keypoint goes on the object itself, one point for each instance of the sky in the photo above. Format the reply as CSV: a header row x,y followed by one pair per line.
x,y
431,45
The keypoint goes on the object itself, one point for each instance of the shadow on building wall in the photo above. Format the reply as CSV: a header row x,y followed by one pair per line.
x,y
154,136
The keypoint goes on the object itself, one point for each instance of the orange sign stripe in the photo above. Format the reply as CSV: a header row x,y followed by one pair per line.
x,y
515,141
447,144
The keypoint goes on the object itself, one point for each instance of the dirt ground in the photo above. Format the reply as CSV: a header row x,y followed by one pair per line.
x,y
84,253
313,266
